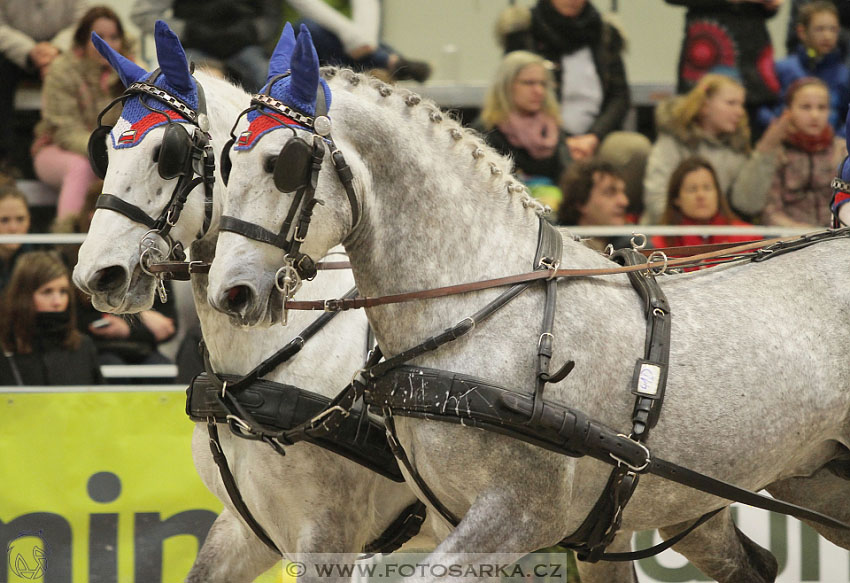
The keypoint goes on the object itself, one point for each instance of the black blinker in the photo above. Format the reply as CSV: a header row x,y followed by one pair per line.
x,y
98,154
292,170
174,152
226,164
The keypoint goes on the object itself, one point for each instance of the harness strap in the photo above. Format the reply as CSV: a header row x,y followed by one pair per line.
x,y
233,490
252,231
131,211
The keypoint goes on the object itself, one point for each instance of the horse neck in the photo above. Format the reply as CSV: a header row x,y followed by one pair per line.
x,y
442,205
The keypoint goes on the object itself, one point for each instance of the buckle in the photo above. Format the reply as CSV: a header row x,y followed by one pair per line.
x,y
333,305
621,462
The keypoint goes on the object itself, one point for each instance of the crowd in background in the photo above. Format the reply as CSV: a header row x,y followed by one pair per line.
x,y
745,140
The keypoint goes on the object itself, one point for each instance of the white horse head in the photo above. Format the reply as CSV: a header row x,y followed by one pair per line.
x,y
294,95
153,155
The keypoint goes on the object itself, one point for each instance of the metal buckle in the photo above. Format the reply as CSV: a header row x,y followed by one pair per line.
x,y
540,340
333,305
622,462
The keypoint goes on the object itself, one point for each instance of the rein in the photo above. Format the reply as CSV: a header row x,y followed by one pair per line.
x,y
761,249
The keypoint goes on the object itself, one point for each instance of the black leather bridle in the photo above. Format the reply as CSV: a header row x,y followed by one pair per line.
x,y
189,158
296,170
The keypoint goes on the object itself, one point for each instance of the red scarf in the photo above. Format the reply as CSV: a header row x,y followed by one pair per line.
x,y
537,134
811,144
688,240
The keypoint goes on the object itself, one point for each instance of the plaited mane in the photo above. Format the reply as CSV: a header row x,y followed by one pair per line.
x,y
490,164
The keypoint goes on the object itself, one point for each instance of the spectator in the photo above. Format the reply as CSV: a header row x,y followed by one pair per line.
x,y
590,77
229,35
730,37
710,121
40,341
800,193
792,40
78,86
27,48
694,198
818,56
520,119
594,195
353,42
14,220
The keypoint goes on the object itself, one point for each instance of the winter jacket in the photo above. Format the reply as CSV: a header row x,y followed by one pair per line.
x,y
831,69
723,35
52,364
744,177
24,23
75,90
800,192
540,31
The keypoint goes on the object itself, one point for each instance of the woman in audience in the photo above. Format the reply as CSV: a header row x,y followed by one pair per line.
x,y
41,345
800,193
520,119
14,220
694,199
78,85
710,121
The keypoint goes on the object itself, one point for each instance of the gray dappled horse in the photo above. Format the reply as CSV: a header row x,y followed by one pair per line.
x,y
757,392
311,500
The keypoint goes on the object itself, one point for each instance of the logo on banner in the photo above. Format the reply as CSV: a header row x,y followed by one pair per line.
x,y
27,555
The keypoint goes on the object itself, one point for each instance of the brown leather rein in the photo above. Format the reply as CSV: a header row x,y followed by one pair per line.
x,y
704,253
183,270
684,256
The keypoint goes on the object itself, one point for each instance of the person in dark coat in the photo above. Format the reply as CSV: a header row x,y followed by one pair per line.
x,y
41,345
730,37
586,52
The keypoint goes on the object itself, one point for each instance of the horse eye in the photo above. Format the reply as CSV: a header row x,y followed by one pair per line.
x,y
269,163
156,153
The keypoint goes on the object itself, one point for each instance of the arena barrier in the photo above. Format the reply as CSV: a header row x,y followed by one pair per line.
x,y
101,480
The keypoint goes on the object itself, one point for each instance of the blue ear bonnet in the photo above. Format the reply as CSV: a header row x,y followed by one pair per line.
x,y
174,77
293,80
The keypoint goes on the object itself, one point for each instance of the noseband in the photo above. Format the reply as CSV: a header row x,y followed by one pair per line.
x,y
190,159
296,170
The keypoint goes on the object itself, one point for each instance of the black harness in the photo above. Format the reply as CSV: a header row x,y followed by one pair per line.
x,y
410,391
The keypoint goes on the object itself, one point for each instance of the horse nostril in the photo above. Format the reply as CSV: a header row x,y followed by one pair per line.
x,y
237,298
109,278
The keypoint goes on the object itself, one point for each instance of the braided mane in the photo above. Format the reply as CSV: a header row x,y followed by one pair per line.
x,y
488,162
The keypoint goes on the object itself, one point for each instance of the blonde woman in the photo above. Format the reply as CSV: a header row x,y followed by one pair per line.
x,y
710,121
520,118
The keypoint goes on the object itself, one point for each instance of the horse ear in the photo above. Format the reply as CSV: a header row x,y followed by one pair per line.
x,y
305,72
172,58
128,71
279,61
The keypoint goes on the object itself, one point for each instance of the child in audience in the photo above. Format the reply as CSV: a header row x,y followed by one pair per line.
x,y
41,345
710,121
14,220
694,198
817,56
78,85
800,192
